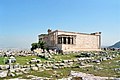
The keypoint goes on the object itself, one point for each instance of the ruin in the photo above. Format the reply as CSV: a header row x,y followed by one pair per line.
x,y
71,41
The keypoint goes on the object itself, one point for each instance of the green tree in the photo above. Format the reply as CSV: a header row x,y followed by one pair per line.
x,y
41,44
34,46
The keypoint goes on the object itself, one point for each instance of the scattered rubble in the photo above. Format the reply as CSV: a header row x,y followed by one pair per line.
x,y
81,61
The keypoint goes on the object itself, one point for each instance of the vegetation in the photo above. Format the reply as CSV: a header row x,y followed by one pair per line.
x,y
2,60
34,46
22,59
40,44
101,69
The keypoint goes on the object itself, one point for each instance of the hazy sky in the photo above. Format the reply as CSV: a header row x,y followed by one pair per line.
x,y
22,20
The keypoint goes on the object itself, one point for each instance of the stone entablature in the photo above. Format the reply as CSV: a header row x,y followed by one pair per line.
x,y
72,41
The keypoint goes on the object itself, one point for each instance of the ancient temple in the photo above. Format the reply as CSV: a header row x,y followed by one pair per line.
x,y
72,41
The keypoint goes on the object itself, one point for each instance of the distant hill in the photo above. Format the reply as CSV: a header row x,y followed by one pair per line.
x,y
116,45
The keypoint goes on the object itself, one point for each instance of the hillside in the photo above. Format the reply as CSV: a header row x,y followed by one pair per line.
x,y
116,45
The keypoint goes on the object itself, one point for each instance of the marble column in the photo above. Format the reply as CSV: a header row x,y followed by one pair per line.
x,y
74,40
66,40
62,40
70,40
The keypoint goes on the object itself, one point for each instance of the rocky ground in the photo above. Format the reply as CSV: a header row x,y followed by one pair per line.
x,y
67,66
